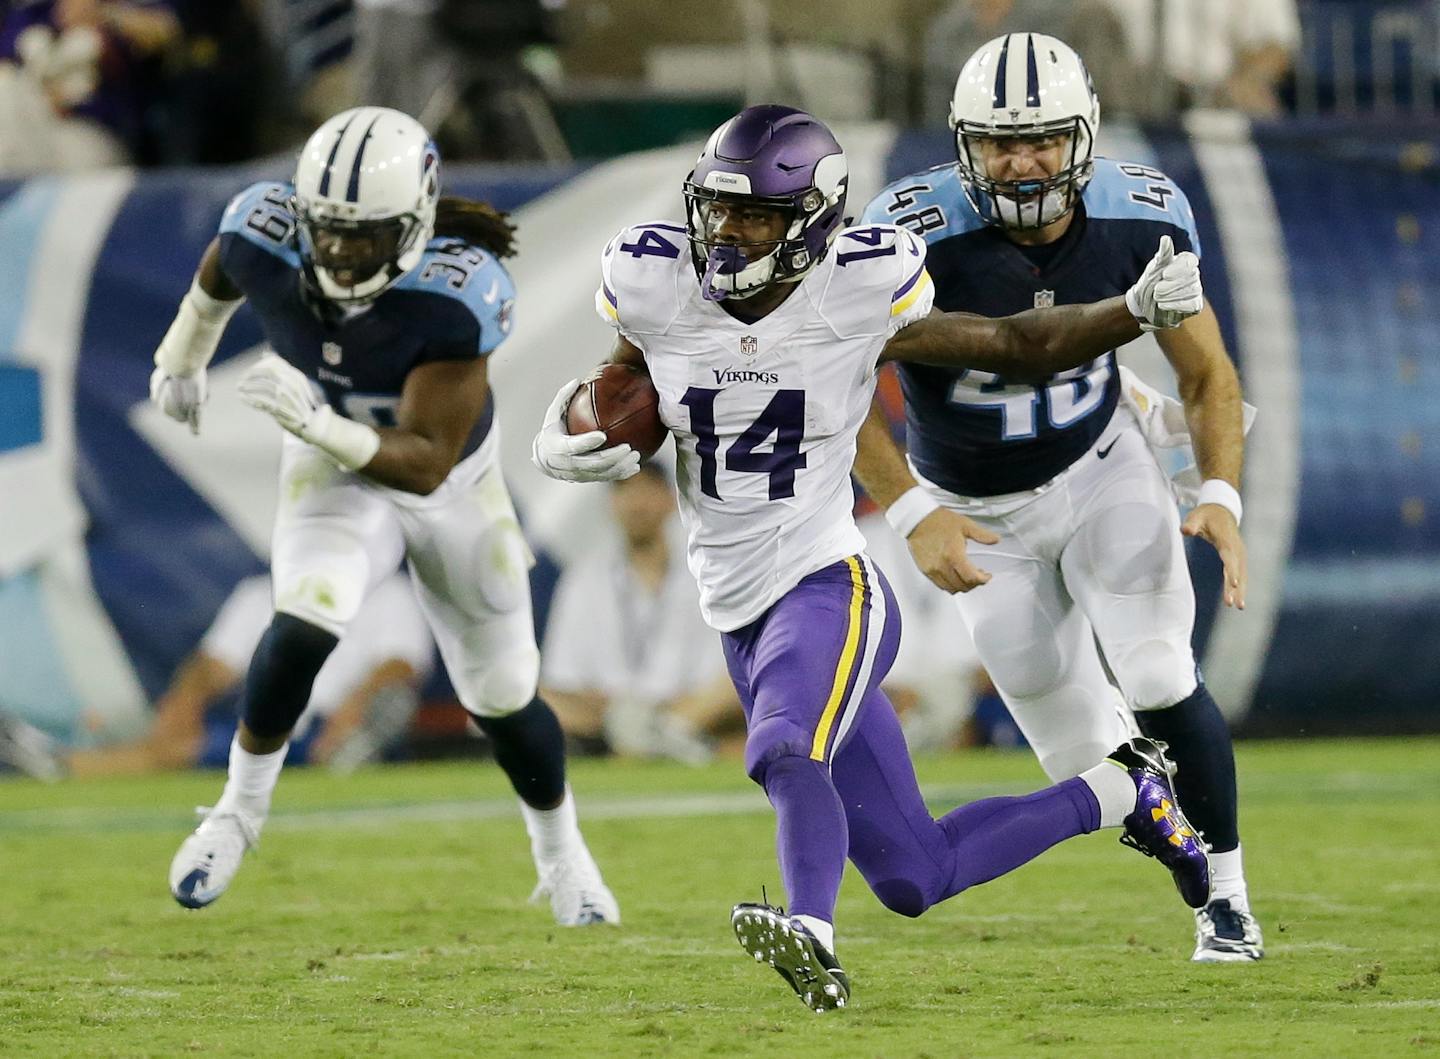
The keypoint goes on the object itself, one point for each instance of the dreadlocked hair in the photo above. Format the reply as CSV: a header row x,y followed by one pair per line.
x,y
478,223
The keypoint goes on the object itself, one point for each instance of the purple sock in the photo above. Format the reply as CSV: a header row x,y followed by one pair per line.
x,y
995,835
811,834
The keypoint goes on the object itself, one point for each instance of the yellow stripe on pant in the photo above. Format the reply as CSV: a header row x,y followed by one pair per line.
x,y
849,659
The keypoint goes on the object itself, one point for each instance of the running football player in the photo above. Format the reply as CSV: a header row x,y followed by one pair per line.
x,y
382,302
765,369
1084,538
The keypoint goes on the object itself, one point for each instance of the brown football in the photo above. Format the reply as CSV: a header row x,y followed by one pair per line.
x,y
620,400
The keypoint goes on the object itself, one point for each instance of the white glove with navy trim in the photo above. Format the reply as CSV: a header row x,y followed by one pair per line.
x,y
1168,291
578,457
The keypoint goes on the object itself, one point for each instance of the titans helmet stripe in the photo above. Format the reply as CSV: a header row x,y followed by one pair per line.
x,y
1032,75
330,162
352,192
1000,74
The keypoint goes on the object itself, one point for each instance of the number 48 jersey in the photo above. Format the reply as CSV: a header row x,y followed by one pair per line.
x,y
971,432
764,414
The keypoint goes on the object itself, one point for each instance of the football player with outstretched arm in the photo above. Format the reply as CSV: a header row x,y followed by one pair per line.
x,y
762,322
1083,553
381,302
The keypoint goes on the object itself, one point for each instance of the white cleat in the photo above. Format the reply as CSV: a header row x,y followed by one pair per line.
x,y
578,896
1226,934
210,856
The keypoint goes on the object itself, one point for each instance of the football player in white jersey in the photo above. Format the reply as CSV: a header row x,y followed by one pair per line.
x,y
382,302
1089,545
765,370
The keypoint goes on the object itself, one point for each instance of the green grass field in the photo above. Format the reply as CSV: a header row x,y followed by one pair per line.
x,y
386,914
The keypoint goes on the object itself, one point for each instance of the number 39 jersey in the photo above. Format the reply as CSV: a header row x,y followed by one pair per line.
x,y
454,305
764,414
971,432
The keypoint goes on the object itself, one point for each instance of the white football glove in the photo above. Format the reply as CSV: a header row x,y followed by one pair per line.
x,y
1168,291
578,457
283,392
179,396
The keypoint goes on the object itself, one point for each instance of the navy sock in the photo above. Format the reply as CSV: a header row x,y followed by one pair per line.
x,y
282,672
1205,763
530,747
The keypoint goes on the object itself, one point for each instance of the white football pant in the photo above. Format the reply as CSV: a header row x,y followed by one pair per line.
x,y
337,535
1095,554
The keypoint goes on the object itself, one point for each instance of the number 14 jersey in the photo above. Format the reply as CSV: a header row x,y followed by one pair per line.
x,y
764,414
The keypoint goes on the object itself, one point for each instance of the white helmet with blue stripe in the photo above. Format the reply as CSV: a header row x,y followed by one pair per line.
x,y
1024,85
366,186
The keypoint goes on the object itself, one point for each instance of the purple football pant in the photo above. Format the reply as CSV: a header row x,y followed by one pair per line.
x,y
825,744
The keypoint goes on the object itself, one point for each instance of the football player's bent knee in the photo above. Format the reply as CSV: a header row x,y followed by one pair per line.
x,y
504,685
901,896
771,739
328,602
1155,674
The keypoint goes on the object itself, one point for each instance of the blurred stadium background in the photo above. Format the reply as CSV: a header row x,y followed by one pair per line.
x,y
1309,153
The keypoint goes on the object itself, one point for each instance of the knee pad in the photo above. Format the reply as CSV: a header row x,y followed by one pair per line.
x,y
773,738
321,598
501,686
1155,674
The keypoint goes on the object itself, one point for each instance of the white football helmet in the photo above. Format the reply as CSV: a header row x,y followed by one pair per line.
x,y
1024,85
366,186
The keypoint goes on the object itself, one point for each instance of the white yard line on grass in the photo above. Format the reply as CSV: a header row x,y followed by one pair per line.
x,y
605,807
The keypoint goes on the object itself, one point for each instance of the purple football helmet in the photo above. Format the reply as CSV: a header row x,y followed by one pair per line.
x,y
770,157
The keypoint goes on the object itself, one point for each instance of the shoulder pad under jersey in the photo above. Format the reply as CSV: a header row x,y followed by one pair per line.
x,y
930,203
1131,191
642,271
877,276
461,273
262,215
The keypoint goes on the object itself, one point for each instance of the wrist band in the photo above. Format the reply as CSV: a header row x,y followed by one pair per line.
x,y
1219,491
912,507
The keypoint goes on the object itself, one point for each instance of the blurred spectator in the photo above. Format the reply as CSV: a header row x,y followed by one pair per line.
x,y
943,696
1088,26
628,663
462,67
314,41
401,58
76,78
224,85
1215,53
362,700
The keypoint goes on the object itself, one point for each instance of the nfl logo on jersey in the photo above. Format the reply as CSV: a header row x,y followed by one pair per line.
x,y
331,352
1044,299
749,346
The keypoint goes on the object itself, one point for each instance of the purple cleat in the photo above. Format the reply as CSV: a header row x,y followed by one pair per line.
x,y
1157,827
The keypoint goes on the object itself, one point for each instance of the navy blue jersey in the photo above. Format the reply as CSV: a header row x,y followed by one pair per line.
x,y
454,305
971,432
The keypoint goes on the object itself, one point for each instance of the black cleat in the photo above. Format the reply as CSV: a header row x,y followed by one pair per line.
x,y
787,945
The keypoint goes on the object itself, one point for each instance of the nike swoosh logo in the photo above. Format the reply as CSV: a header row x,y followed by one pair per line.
x,y
493,293
1102,453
